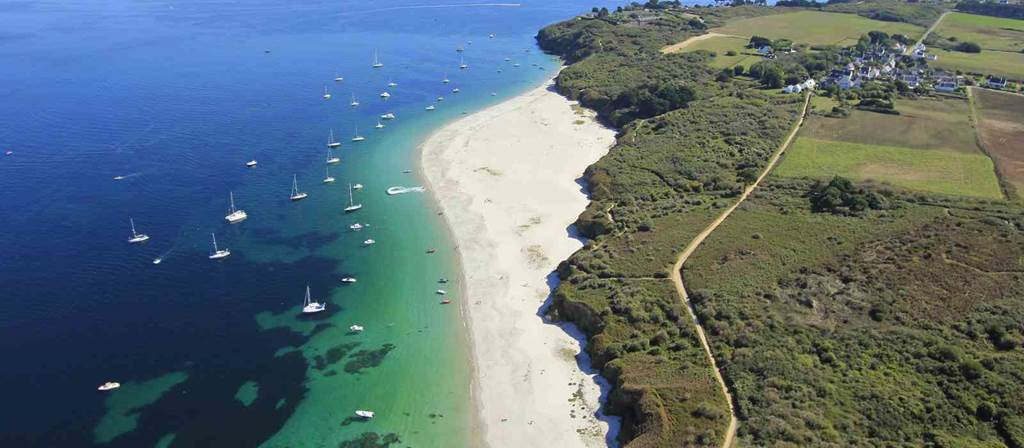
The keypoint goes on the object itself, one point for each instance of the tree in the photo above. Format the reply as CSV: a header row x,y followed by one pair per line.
x,y
772,77
737,70
758,42
968,47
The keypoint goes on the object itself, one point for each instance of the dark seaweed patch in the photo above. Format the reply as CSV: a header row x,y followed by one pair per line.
x,y
371,440
364,359
333,355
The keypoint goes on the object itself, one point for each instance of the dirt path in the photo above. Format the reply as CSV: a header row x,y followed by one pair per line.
x,y
677,276
927,32
677,47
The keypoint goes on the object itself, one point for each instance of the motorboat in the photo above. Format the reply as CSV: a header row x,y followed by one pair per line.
x,y
441,292
356,226
388,116
456,90
446,301
369,242
109,385
442,280
348,280
357,187
251,163
364,414
357,329
385,95
431,107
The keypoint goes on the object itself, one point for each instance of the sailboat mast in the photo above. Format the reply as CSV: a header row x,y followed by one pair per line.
x,y
132,221
350,195
214,236
232,195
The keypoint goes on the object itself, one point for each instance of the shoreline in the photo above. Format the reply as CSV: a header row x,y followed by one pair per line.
x,y
505,179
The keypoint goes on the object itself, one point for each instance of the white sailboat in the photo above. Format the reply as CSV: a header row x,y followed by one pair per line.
x,y
327,176
379,125
392,83
331,158
235,215
376,60
456,90
446,80
357,187
385,95
330,140
337,78
431,107
352,206
357,137
310,307
136,236
353,103
327,95
296,194
218,253
462,63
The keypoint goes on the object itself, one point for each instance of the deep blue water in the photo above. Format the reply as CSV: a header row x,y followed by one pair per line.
x,y
176,96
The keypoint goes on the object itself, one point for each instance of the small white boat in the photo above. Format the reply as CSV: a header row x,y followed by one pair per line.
x,y
364,414
115,177
331,143
136,236
440,98
353,101
357,187
508,59
441,292
369,242
456,90
338,78
392,83
327,94
357,137
356,328
348,280
442,280
376,60
356,226
235,215
352,206
462,63
296,195
491,36
385,95
446,80
218,253
388,116
251,163
9,153
430,107
310,307
331,158
379,125
459,50
158,260
109,385
516,64
327,176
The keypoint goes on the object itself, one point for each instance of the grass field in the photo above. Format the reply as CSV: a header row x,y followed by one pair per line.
x,y
722,44
945,172
816,28
923,124
992,33
1002,133
1000,63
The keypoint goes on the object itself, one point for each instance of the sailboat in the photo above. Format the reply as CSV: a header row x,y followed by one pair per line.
x,y
310,307
385,95
296,194
379,125
352,206
431,107
337,78
357,137
236,215
136,237
218,253
331,158
330,141
392,83
376,60
462,63
446,80
327,94
327,176
456,90
354,103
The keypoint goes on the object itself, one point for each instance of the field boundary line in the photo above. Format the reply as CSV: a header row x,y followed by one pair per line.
x,y
1005,187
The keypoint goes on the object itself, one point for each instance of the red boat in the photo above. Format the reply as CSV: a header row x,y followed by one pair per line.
x,y
446,301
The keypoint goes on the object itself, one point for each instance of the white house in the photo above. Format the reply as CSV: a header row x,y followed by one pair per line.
x,y
795,88
946,86
809,84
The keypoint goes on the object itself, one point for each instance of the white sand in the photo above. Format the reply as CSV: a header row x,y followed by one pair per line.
x,y
506,181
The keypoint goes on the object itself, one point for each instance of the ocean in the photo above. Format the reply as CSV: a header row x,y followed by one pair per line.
x,y
173,97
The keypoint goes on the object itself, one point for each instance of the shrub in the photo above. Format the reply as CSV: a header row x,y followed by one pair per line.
x,y
968,47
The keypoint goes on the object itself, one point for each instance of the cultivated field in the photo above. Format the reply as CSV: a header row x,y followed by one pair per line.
x,y
720,45
1002,133
1000,63
924,124
935,171
991,33
816,28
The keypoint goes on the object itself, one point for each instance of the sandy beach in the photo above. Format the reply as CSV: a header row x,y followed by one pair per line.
x,y
506,178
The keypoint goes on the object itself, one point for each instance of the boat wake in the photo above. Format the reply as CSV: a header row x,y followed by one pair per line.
x,y
402,190
139,173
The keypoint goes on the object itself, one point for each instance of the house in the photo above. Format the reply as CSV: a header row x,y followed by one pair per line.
x,y
795,88
809,84
946,86
765,49
996,83
932,57
911,79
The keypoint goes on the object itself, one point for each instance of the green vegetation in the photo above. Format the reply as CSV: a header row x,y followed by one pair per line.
x,y
921,14
816,28
881,329
998,63
721,46
946,172
991,33
885,362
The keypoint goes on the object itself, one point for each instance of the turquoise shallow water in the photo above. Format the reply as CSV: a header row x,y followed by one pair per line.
x,y
176,96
